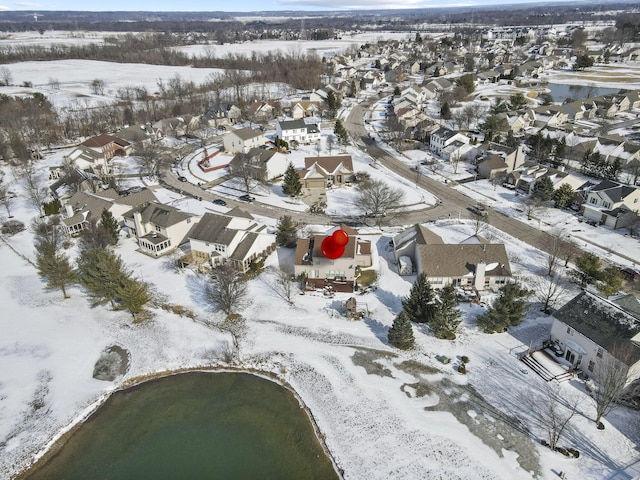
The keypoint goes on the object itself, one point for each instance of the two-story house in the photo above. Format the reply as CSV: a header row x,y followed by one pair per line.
x,y
443,137
297,131
96,152
157,228
612,204
265,164
339,273
589,329
233,237
324,172
242,140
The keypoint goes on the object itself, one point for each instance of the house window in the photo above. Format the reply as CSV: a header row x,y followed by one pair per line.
x,y
606,204
600,352
569,331
436,280
158,228
591,366
593,200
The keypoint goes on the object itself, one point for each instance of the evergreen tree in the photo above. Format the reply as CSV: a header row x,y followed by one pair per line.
x,y
286,232
55,268
447,317
445,111
110,225
588,269
610,281
420,305
563,196
466,82
94,235
333,103
401,332
543,189
133,295
102,273
341,132
291,183
507,310
560,152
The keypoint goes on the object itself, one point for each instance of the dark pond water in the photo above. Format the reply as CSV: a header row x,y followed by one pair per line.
x,y
194,426
561,92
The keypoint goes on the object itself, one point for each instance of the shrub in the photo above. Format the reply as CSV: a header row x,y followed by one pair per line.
x,y
11,227
178,309
464,359
462,368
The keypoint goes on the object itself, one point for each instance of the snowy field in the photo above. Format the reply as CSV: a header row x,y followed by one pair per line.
x,y
383,413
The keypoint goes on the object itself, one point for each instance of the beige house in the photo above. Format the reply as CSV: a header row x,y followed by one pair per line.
x,y
158,229
233,237
324,172
242,140
84,207
339,273
472,264
95,153
589,331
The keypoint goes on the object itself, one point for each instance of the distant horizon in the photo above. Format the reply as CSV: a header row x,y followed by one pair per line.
x,y
257,6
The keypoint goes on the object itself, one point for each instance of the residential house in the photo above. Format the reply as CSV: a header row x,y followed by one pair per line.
x,y
471,264
325,172
265,164
140,134
94,154
222,114
305,108
177,126
591,330
339,273
83,208
297,131
157,228
442,138
261,112
492,166
612,204
242,140
233,237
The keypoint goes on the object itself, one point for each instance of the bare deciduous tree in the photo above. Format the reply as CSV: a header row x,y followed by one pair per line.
x,y
281,283
6,198
610,377
97,86
35,187
551,410
549,289
376,198
227,289
6,77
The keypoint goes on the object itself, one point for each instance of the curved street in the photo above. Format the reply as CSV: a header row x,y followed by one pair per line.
x,y
453,204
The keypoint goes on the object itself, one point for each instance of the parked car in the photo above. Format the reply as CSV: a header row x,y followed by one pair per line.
x,y
479,210
219,201
246,198
182,179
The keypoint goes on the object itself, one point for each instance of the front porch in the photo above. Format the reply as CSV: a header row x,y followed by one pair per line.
x,y
547,365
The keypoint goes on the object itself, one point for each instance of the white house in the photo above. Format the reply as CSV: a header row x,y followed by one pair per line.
x,y
612,204
443,137
268,164
232,237
590,329
242,140
298,131
158,228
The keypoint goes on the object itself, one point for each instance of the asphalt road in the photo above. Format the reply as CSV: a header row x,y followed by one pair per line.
x,y
452,202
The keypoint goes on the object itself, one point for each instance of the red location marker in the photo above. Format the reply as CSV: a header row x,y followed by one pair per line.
x,y
333,246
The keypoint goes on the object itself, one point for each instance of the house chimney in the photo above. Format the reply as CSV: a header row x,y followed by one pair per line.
x,y
68,210
137,220
478,282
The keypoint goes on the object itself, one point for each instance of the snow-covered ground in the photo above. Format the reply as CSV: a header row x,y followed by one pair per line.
x,y
383,413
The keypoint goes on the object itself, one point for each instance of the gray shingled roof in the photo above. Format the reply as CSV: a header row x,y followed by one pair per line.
x,y
212,228
159,214
600,320
247,133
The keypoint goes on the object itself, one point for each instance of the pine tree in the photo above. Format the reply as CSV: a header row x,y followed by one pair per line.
x,y
133,295
447,317
55,268
445,111
563,196
588,268
102,273
291,183
110,225
333,103
287,232
341,133
420,305
401,332
507,310
543,189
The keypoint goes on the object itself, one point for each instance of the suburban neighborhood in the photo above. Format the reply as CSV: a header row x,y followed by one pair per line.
x,y
429,235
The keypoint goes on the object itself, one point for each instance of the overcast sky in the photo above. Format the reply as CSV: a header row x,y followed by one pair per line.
x,y
243,5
